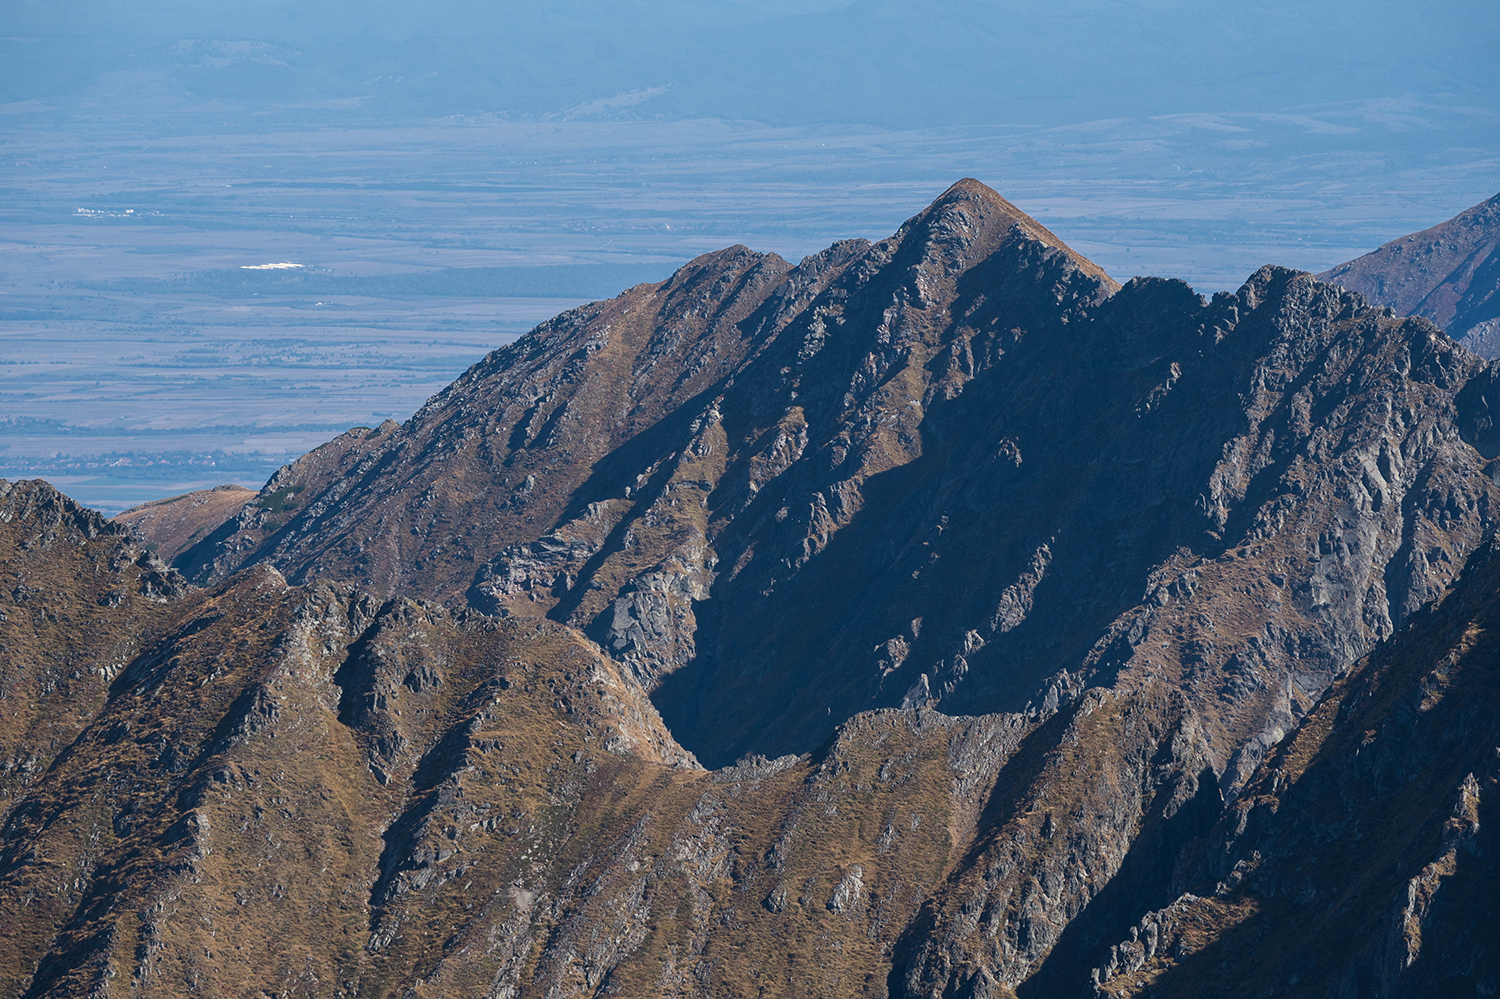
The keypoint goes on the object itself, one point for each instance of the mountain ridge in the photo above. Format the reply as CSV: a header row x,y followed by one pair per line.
x,y
634,555
174,523
994,594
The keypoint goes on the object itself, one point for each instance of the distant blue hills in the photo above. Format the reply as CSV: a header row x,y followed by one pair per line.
x,y
891,64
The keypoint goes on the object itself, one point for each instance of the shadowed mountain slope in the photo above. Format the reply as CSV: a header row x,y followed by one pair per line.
x,y
439,804
308,792
1449,274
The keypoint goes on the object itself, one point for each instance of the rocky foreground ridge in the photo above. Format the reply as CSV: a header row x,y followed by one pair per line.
x,y
1070,638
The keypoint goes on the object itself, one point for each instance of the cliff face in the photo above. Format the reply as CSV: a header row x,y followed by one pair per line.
x,y
1449,274
1018,587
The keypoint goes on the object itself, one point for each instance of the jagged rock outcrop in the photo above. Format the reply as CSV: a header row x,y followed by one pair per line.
x,y
284,765
1449,274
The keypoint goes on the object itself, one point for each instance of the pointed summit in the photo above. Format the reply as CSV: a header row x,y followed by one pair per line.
x,y
976,206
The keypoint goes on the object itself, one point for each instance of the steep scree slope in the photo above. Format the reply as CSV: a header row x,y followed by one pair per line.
x,y
1449,274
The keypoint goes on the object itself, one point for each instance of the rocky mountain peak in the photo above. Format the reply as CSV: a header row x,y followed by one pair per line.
x,y
42,506
78,595
563,407
958,466
970,220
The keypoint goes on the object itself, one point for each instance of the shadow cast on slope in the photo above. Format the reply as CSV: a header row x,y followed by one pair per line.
x,y
942,536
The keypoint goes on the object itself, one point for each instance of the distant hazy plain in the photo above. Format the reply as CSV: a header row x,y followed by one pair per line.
x,y
138,181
